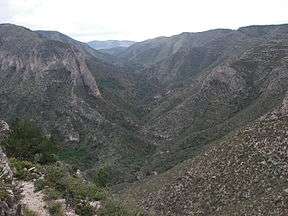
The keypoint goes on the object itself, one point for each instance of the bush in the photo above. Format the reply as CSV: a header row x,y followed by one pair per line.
x,y
39,184
84,209
4,194
55,175
113,208
26,142
62,183
52,194
101,177
28,212
22,169
56,209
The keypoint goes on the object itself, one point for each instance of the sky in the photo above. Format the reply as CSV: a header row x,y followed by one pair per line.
x,y
137,20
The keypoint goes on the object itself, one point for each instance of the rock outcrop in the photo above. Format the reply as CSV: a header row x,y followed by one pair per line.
x,y
9,192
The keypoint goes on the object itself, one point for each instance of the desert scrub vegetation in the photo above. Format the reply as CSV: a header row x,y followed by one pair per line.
x,y
62,181
26,142
56,209
4,188
114,208
25,170
101,177
32,158
29,212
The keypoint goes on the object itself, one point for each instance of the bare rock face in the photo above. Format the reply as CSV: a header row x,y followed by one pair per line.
x,y
9,204
4,165
4,129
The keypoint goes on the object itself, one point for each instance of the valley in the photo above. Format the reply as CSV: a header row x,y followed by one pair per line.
x,y
192,124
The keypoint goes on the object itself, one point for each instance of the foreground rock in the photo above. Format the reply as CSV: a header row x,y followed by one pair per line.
x,y
10,193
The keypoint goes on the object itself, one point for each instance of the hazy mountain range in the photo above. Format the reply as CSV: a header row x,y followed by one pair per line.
x,y
98,45
193,124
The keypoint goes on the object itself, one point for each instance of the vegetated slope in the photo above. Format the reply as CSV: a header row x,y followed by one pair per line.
x,y
245,174
209,84
154,50
240,171
73,95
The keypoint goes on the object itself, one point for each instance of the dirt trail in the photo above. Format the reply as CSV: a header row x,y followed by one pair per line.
x,y
33,200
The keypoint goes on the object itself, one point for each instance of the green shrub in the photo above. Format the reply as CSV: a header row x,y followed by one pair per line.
x,y
56,209
52,194
55,173
113,208
4,194
61,182
28,212
26,142
101,178
80,190
96,193
56,176
84,209
22,169
39,184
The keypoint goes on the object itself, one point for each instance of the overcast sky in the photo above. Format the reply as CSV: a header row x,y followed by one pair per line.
x,y
138,20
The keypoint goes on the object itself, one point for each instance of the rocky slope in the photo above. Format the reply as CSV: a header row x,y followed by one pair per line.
x,y
245,174
9,191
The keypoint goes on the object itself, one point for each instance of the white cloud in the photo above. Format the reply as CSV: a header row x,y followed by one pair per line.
x,y
139,19
4,12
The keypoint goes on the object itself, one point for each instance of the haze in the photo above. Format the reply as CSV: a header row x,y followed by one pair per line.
x,y
139,20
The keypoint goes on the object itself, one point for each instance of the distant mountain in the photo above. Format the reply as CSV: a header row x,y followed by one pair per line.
x,y
115,51
98,45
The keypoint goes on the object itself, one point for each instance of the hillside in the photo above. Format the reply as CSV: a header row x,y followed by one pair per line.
x,y
73,96
243,174
208,84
